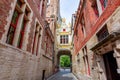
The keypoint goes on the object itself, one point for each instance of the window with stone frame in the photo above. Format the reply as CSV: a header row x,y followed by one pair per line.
x,y
19,45
37,36
20,18
64,39
12,28
14,22
103,33
27,12
95,8
86,61
83,26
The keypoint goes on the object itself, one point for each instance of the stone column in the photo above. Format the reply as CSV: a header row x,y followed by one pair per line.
x,y
99,7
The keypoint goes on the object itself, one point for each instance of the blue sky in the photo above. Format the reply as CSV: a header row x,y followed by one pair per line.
x,y
67,8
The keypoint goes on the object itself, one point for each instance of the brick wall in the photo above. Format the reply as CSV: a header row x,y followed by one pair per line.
x,y
91,22
5,7
92,26
18,64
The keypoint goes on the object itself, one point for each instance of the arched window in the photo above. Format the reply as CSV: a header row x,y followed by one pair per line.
x,y
13,25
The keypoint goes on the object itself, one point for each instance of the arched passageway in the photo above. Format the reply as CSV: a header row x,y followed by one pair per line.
x,y
61,53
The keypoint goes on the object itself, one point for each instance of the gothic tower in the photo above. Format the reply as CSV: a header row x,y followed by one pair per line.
x,y
53,9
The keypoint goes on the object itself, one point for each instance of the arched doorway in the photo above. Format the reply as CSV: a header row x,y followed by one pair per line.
x,y
62,53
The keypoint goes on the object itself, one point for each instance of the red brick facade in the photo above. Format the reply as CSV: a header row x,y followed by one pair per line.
x,y
28,62
93,45
48,42
92,23
5,12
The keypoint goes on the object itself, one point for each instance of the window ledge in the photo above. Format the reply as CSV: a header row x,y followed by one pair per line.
x,y
111,37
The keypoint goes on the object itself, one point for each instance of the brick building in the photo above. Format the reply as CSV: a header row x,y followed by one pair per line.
x,y
23,29
97,40
53,14
53,18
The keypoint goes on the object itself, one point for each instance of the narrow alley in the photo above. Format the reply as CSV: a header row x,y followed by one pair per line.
x,y
59,39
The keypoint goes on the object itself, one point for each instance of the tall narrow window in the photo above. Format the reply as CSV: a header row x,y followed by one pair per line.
x,y
86,61
95,8
36,39
60,39
88,67
103,33
18,23
64,39
83,26
20,40
39,35
11,32
23,26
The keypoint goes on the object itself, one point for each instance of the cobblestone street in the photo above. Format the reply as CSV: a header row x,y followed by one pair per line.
x,y
63,75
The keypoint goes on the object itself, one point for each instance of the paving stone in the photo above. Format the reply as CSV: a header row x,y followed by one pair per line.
x,y
63,75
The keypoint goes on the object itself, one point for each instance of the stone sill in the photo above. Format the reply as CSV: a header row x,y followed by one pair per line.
x,y
5,46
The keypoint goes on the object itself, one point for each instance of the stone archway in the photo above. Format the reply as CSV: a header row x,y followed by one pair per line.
x,y
64,52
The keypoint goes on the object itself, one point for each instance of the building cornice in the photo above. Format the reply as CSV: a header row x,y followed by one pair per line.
x,y
112,37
